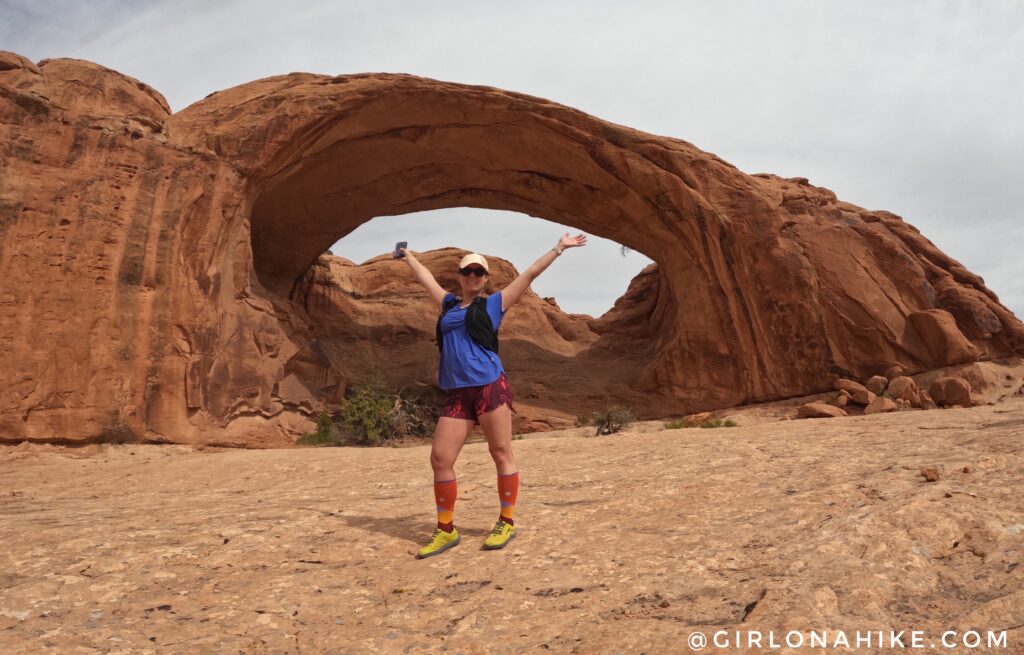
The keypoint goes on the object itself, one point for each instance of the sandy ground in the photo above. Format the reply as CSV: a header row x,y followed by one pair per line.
x,y
628,543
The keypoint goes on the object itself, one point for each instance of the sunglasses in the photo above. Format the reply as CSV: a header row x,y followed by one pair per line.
x,y
466,272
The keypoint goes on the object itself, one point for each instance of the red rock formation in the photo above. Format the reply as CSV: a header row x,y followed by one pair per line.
x,y
149,259
374,319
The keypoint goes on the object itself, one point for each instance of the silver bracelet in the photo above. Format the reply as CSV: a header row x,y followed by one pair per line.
x,y
558,251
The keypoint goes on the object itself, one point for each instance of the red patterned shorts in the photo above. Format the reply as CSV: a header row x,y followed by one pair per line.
x,y
469,402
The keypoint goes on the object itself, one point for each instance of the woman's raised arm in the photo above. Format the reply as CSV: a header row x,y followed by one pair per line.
x,y
434,290
511,294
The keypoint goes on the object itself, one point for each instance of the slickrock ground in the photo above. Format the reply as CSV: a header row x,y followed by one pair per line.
x,y
628,543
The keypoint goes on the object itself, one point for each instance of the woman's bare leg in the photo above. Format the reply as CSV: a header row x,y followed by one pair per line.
x,y
449,437
497,427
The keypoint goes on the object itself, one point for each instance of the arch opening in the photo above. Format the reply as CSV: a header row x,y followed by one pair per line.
x,y
346,178
373,320
587,281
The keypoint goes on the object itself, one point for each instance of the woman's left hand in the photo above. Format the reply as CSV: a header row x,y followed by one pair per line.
x,y
573,242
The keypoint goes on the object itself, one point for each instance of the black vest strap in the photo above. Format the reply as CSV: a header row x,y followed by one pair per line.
x,y
478,324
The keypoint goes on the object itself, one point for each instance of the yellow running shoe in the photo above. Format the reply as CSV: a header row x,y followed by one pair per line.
x,y
441,542
501,534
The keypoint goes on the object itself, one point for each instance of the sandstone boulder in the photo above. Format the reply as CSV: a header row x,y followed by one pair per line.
x,y
880,404
951,391
904,388
991,381
696,419
876,384
925,400
858,392
893,371
819,410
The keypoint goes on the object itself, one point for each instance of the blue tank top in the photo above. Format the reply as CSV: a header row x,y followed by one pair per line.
x,y
463,362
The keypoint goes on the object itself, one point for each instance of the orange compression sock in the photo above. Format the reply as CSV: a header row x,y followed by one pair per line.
x,y
508,489
445,492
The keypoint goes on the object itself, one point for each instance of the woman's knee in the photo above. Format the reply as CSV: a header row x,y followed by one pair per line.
x,y
449,436
501,452
441,460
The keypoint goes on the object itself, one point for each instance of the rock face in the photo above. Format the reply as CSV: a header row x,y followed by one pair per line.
x,y
374,319
150,261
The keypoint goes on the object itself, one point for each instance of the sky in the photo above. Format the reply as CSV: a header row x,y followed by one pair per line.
x,y
912,107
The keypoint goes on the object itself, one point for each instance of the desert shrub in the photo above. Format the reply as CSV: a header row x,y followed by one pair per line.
x,y
718,423
326,433
613,420
372,414
366,413
582,420
675,425
414,415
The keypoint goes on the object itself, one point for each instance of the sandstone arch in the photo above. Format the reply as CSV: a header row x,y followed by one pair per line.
x,y
145,292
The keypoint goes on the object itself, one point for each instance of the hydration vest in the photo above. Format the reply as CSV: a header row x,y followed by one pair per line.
x,y
478,324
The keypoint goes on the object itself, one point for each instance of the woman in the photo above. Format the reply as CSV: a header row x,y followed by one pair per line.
x,y
477,391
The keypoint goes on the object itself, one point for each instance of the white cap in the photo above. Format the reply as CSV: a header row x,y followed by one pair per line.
x,y
473,258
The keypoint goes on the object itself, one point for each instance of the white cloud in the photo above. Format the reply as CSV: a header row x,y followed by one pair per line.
x,y
911,107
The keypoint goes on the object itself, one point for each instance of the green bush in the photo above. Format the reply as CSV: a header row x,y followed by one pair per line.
x,y
613,420
326,433
582,420
710,423
366,414
371,414
718,423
